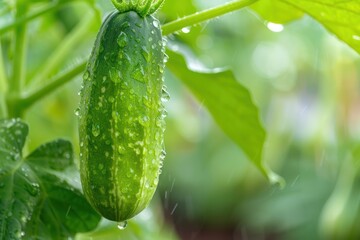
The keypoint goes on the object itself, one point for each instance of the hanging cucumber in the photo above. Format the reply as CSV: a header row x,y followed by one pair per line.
x,y
121,116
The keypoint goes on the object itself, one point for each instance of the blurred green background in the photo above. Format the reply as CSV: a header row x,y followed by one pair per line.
x,y
306,85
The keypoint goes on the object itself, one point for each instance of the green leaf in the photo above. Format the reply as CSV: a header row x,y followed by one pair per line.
x,y
229,103
276,11
340,17
38,194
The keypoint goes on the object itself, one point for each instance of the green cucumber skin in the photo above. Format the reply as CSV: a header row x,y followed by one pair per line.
x,y
121,116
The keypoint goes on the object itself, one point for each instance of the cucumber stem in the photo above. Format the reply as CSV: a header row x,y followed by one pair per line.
x,y
156,5
208,14
142,7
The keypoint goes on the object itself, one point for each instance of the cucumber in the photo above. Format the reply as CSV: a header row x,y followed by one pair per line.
x,y
121,116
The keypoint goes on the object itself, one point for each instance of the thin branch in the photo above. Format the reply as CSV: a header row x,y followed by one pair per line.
x,y
205,15
3,75
34,96
65,48
21,20
19,63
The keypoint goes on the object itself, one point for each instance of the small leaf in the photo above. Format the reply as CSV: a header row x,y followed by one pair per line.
x,y
229,103
38,194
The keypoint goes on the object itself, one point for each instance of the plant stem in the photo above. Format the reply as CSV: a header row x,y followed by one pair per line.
x,y
24,19
65,48
3,109
21,20
45,90
3,86
3,77
208,14
18,70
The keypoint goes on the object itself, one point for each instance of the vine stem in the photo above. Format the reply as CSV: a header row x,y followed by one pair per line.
x,y
24,19
65,48
3,77
21,20
3,86
35,95
208,14
18,70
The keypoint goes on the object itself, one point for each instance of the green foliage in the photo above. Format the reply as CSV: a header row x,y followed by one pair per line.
x,y
341,18
228,102
40,193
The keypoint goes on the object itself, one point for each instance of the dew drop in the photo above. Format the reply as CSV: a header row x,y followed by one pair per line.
x,y
125,24
145,53
162,155
33,189
185,30
156,24
122,225
165,96
356,37
111,99
139,74
77,111
274,27
95,130
144,121
86,75
122,40
146,101
161,68
115,75
121,149
101,166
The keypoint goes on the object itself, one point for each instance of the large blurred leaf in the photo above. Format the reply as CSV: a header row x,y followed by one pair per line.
x,y
340,215
340,17
228,102
275,11
37,193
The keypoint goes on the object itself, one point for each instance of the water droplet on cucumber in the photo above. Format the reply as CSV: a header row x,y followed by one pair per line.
x,y
122,225
95,130
122,40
